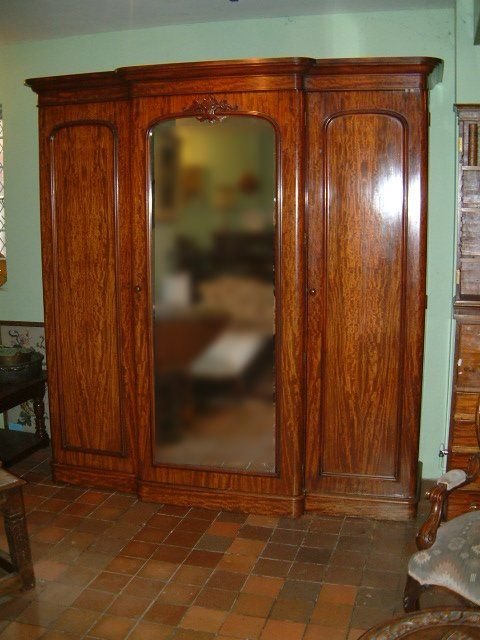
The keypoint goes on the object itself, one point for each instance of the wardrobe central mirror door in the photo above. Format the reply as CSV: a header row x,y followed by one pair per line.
x,y
213,207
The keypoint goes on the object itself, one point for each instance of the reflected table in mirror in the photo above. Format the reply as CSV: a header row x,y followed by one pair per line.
x,y
16,445
429,624
179,338
214,393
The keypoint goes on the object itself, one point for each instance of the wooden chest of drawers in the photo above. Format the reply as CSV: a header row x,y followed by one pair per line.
x,y
463,440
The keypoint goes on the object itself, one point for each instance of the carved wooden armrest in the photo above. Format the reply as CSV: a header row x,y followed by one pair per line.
x,y
428,531
437,496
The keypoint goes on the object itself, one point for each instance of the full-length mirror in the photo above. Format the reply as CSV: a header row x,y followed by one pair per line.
x,y
213,198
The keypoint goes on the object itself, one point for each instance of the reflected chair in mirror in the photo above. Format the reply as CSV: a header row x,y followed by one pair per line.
x,y
18,561
449,551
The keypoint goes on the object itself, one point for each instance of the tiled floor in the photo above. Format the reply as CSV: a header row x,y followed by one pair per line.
x,y
110,567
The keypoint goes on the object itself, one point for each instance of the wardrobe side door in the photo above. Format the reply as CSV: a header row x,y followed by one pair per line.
x,y
366,272
86,265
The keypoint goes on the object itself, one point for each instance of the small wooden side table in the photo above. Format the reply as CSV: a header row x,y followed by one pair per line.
x,y
15,445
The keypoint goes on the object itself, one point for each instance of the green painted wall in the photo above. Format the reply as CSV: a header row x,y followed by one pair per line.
x,y
402,33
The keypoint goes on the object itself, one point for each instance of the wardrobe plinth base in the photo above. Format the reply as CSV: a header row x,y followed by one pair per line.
x,y
224,500
366,507
84,477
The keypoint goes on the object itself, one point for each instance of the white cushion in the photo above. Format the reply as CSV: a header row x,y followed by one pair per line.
x,y
453,478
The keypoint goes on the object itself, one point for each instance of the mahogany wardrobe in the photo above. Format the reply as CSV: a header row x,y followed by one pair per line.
x,y
234,281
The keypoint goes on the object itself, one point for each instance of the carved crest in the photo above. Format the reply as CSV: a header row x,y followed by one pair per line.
x,y
209,109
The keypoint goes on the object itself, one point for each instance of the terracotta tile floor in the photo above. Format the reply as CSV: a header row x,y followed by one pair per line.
x,y
111,567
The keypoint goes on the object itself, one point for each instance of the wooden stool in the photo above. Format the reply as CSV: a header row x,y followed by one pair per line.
x,y
19,562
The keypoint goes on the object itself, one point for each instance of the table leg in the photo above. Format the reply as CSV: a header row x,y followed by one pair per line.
x,y
39,411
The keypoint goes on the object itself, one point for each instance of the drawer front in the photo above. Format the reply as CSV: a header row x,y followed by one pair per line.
x,y
470,278
463,433
468,356
465,406
463,438
461,502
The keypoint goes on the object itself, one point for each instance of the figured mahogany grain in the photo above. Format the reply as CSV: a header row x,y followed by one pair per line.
x,y
366,260
365,266
83,154
86,252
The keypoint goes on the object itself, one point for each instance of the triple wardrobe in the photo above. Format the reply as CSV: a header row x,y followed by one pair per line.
x,y
234,259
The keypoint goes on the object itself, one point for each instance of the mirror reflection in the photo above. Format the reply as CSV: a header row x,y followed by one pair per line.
x,y
213,192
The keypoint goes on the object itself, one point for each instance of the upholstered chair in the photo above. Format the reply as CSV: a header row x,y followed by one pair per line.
x,y
449,552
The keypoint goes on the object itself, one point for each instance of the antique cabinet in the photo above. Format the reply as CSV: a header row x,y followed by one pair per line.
x,y
466,377
234,273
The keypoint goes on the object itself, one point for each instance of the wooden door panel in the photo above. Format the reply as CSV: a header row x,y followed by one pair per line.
x,y
86,247
366,243
88,289
364,271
